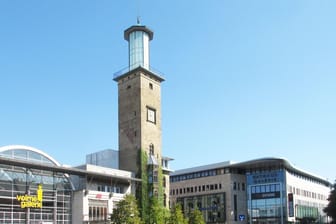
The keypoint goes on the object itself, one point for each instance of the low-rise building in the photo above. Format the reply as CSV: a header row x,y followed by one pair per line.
x,y
35,188
267,190
98,192
218,190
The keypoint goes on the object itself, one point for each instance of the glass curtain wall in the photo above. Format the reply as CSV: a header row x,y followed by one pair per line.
x,y
33,196
212,206
266,198
19,190
139,50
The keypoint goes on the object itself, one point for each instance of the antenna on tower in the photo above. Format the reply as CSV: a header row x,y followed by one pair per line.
x,y
137,5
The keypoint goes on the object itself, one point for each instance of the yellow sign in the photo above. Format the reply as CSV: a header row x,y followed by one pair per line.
x,y
31,201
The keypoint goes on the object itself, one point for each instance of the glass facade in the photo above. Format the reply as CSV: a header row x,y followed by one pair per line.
x,y
266,197
138,50
212,206
30,195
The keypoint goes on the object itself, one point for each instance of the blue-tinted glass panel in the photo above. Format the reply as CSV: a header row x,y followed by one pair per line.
x,y
20,154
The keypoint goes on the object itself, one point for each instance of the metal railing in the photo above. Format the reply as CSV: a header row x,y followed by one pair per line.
x,y
130,68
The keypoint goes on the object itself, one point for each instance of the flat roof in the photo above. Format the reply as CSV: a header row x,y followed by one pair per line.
x,y
261,163
202,168
65,170
126,71
138,28
281,162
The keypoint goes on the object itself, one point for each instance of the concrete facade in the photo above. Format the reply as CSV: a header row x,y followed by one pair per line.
x,y
97,196
267,190
211,181
307,193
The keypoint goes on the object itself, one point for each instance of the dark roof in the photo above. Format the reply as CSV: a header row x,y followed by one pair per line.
x,y
138,28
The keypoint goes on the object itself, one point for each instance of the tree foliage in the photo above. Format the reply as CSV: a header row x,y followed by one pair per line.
x,y
196,217
176,215
330,210
143,189
158,214
126,212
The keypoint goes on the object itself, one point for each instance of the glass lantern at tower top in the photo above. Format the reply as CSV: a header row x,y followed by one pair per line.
x,y
138,38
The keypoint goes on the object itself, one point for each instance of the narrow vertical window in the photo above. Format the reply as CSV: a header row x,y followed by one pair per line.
x,y
235,207
151,149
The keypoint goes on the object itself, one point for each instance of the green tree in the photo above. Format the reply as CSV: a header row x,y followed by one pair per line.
x,y
158,214
196,217
176,215
330,210
126,212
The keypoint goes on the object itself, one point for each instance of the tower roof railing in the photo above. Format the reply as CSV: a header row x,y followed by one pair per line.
x,y
127,69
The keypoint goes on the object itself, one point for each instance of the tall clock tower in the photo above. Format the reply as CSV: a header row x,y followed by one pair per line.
x,y
139,111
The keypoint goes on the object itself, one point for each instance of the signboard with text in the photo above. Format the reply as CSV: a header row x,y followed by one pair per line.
x,y
31,201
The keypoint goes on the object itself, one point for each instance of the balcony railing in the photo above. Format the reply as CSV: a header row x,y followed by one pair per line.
x,y
130,68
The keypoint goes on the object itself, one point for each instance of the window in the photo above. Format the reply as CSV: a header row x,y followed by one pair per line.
x,y
151,85
151,149
151,115
164,182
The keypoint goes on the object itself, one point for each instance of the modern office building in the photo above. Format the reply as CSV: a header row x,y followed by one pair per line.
x,y
278,192
35,189
268,190
139,115
218,190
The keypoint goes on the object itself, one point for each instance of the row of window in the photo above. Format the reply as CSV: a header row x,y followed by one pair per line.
x,y
201,188
209,187
34,217
150,85
265,188
98,213
106,188
238,186
305,193
310,179
205,173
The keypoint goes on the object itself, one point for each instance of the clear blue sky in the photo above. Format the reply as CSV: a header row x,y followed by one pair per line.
x,y
244,79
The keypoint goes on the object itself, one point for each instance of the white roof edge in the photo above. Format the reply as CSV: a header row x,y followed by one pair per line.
x,y
203,167
288,165
230,163
29,148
